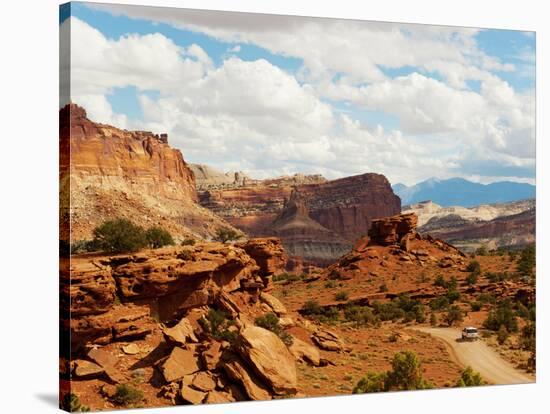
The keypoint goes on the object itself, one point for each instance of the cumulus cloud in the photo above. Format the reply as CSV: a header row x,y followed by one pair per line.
x,y
251,115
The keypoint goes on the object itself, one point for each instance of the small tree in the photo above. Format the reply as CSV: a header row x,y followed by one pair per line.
x,y
225,234
158,237
406,373
119,235
482,250
270,321
433,319
372,382
454,315
526,262
474,267
127,395
472,278
469,378
503,314
341,296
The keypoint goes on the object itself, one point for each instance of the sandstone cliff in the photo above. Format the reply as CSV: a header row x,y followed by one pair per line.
x,y
345,206
106,172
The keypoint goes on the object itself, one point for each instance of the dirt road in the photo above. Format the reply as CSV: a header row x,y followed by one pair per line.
x,y
492,367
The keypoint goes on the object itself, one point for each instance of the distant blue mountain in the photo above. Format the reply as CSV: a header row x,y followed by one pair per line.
x,y
461,192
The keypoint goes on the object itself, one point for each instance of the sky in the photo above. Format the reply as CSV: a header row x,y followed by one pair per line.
x,y
273,95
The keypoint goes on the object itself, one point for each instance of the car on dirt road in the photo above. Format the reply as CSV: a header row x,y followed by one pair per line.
x,y
470,333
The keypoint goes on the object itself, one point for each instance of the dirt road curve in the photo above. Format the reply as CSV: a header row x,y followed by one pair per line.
x,y
480,357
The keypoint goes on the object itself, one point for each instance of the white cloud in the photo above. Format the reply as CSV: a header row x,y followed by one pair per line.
x,y
251,115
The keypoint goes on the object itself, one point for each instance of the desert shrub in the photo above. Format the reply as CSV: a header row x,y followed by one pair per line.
x,y
188,242
454,315
270,321
469,378
497,276
476,306
312,307
406,303
127,395
225,234
453,283
440,281
502,315
158,237
419,313
119,235
482,250
526,262
474,266
361,315
330,284
372,382
406,373
185,255
502,335
388,311
439,303
341,296
452,296
472,278
486,298
433,319
287,277
71,403
383,288
217,324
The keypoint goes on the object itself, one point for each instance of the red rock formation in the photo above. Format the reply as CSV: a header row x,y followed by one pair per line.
x,y
303,236
345,206
106,172
268,253
391,230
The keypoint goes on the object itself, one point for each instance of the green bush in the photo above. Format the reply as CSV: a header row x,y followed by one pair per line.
x,y
406,373
452,296
388,311
188,242
312,307
127,395
439,303
315,311
472,278
482,250
372,382
270,321
361,315
433,319
454,315
330,284
383,288
494,277
528,338
71,403
476,306
469,378
502,315
474,266
158,237
440,281
217,324
119,235
225,234
341,296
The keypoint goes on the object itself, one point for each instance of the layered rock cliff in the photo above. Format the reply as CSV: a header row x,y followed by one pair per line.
x,y
345,206
106,172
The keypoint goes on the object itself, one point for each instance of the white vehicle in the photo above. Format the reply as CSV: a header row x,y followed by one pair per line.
x,y
470,333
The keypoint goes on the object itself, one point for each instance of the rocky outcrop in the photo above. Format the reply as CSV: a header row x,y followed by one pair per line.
x,y
208,177
391,230
269,357
107,172
268,253
304,237
188,312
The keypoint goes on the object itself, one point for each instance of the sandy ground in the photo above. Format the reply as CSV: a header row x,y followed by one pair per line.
x,y
480,357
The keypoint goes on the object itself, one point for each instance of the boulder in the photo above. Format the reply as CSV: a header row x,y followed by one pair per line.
x,y
327,340
391,230
268,253
191,395
305,352
87,370
181,362
180,333
274,303
254,388
217,397
204,381
131,349
211,355
269,357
